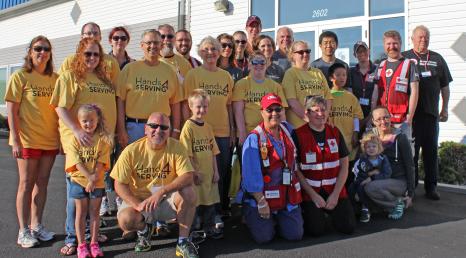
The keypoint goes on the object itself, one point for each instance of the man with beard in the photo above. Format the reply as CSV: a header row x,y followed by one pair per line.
x,y
398,84
284,41
183,43
154,178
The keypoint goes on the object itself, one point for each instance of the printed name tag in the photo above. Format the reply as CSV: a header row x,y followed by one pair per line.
x,y
426,74
310,157
401,88
266,163
332,143
272,194
286,180
364,101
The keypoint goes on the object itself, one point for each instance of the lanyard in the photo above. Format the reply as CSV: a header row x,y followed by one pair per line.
x,y
283,145
420,59
363,79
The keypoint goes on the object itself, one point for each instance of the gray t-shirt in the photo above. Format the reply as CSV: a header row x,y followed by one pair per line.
x,y
323,66
282,60
413,75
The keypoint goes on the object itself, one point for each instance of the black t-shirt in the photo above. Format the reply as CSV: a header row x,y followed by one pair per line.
x,y
324,66
320,139
413,74
434,75
363,86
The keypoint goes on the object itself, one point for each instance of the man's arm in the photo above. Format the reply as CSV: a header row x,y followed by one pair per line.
x,y
445,92
413,98
125,193
122,134
176,119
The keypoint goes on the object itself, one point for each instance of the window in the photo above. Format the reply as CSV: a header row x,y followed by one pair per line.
x,y
377,29
382,7
346,39
3,73
270,34
299,11
265,9
14,68
309,37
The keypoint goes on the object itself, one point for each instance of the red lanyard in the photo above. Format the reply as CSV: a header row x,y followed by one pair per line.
x,y
363,79
420,59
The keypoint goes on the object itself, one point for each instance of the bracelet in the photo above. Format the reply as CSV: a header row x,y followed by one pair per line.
x,y
262,206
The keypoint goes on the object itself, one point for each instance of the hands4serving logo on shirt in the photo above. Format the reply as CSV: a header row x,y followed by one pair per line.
x,y
254,97
99,88
341,111
200,145
155,85
310,84
214,89
150,173
89,155
38,91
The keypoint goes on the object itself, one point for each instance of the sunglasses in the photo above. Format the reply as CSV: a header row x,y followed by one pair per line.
x,y
155,126
240,42
301,52
122,38
89,54
41,48
277,109
91,33
168,36
225,45
311,111
258,62
151,42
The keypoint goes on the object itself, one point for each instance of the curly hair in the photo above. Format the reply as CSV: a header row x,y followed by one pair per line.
x,y
78,66
28,65
101,129
371,137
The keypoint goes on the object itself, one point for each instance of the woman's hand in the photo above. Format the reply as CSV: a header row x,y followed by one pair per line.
x,y
17,149
197,178
83,138
264,210
242,137
319,201
215,177
332,201
91,183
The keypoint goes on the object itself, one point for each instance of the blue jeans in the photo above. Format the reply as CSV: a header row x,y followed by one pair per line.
x,y
135,131
224,170
70,216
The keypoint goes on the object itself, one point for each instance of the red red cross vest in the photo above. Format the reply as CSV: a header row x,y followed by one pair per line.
x,y
394,96
320,167
279,195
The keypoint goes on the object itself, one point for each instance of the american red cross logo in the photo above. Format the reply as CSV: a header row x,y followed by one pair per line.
x,y
389,73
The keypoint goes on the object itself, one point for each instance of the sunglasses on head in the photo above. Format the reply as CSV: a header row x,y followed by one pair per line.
x,y
225,45
240,41
258,62
277,109
89,54
155,126
168,36
301,52
41,48
122,38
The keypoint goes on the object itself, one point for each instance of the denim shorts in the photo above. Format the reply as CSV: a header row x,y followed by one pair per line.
x,y
79,192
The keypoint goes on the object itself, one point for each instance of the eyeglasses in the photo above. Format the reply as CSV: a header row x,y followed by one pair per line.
x,y
41,48
155,126
168,36
258,62
89,54
301,52
225,45
122,38
151,42
315,111
240,42
91,33
380,120
277,109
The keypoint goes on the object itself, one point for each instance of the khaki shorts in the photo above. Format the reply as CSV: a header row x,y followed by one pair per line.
x,y
165,211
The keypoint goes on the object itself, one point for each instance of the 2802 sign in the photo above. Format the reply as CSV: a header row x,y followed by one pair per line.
x,y
319,13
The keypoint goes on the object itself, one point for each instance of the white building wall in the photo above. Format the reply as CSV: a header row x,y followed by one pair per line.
x,y
446,21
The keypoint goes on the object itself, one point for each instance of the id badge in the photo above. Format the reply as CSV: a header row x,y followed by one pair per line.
x,y
311,157
426,74
370,78
272,194
286,176
401,88
266,163
364,101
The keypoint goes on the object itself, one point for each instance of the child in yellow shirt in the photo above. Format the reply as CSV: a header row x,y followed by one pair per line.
x,y
87,165
199,139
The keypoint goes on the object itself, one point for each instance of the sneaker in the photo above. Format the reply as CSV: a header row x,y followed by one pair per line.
x,y
187,249
42,234
214,233
397,211
162,229
197,237
104,206
365,216
218,221
143,241
26,240
95,250
83,252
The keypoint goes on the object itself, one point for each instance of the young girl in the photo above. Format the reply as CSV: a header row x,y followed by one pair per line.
x,y
87,166
371,165
199,140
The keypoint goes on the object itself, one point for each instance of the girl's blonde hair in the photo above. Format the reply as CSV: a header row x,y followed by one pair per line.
x,y
370,137
101,129
198,94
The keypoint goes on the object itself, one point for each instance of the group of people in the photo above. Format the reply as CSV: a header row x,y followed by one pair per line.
x,y
312,138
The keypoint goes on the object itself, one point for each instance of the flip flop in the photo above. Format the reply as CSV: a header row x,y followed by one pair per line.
x,y
68,249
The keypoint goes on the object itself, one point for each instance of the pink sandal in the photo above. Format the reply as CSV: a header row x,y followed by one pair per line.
x,y
83,252
95,250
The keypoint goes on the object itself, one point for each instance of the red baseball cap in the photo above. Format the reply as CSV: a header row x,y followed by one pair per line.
x,y
270,99
252,19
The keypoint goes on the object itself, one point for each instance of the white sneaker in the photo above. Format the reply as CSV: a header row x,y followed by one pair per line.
x,y
104,206
218,221
25,239
42,234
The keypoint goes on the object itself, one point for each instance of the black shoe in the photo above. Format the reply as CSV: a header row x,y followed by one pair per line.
x,y
433,195
365,216
214,233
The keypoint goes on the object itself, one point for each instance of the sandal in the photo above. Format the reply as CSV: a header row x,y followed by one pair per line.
x,y
68,249
101,238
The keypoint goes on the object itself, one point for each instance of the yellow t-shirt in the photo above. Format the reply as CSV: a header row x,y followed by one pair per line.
x,y
89,157
147,89
111,66
199,141
38,122
219,86
71,95
142,167
181,67
345,107
299,84
251,92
